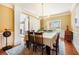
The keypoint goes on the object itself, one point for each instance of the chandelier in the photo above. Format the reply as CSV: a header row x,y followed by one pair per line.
x,y
42,16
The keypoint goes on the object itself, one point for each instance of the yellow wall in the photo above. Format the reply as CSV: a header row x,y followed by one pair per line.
x,y
6,18
64,17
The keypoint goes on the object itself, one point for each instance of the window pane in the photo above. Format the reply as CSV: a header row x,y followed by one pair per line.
x,y
23,23
55,24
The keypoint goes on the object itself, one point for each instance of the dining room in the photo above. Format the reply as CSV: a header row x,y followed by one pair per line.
x,y
49,20
39,29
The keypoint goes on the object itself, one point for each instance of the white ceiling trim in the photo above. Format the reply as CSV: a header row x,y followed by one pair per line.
x,y
49,8
7,5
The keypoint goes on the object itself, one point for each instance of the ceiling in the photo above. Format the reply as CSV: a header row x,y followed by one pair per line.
x,y
49,8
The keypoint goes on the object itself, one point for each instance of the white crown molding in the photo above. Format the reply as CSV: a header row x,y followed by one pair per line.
x,y
7,5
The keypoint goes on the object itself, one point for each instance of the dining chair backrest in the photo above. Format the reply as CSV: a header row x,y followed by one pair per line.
x,y
39,38
57,40
30,36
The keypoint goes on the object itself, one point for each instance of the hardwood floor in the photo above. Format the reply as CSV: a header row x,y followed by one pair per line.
x,y
27,51
70,49
65,48
2,52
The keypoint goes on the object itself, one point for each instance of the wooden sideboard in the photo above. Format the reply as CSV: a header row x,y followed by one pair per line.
x,y
69,36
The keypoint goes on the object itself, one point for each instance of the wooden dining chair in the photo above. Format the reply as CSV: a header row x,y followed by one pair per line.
x,y
39,41
56,45
30,38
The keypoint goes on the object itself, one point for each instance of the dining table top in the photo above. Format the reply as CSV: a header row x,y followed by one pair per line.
x,y
49,35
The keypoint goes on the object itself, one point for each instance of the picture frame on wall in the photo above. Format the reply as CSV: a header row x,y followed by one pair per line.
x,y
76,22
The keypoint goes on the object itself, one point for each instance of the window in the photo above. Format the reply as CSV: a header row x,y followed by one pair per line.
x,y
34,24
23,23
55,24
28,23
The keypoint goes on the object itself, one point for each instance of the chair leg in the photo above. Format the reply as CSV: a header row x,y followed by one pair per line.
x,y
48,50
27,44
57,50
42,50
34,48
